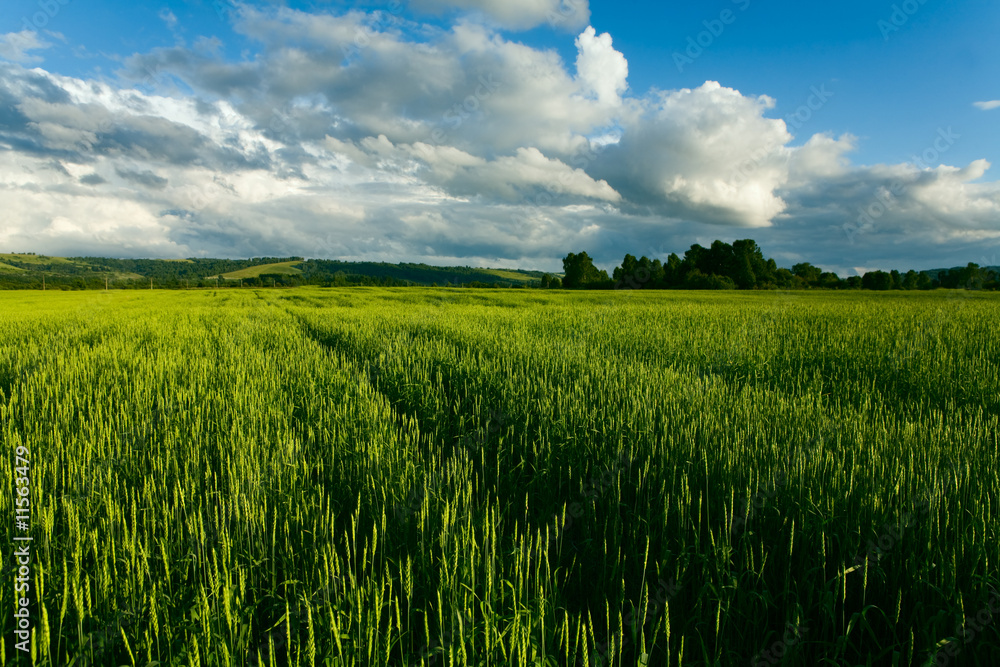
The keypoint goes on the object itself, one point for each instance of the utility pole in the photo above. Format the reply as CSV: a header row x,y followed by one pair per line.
x,y
105,283
43,283
150,284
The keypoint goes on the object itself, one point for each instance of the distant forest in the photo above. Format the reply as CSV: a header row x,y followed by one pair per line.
x,y
742,266
30,271
721,266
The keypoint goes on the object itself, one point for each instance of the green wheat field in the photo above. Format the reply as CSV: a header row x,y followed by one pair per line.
x,y
505,477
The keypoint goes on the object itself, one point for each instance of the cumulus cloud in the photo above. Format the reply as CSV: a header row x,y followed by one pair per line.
x,y
14,46
364,136
821,158
511,178
519,14
867,207
988,106
708,154
602,69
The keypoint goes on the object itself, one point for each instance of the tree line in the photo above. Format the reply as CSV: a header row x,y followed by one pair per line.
x,y
742,265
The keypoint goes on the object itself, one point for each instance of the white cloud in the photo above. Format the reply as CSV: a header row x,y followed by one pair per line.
x,y
988,106
511,178
822,157
14,46
602,69
894,204
417,143
519,14
707,154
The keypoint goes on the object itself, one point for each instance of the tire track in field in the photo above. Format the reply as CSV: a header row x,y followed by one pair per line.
x,y
410,421
516,470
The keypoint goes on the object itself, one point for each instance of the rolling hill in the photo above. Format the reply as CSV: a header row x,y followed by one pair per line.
x,y
278,268
31,271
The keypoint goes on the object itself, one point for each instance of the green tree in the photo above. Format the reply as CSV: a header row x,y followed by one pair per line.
x,y
640,273
720,260
807,272
972,277
580,272
829,280
673,271
877,280
625,275
785,279
752,270
696,257
550,282
695,279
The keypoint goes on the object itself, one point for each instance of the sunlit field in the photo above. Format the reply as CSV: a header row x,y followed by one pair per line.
x,y
504,477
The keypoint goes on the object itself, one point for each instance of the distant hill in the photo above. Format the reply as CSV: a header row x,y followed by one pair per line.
x,y
31,261
30,271
936,273
420,274
278,268
516,276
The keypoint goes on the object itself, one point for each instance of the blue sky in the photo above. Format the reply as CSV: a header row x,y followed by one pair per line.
x,y
337,129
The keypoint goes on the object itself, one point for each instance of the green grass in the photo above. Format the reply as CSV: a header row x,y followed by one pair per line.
x,y
281,268
448,477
